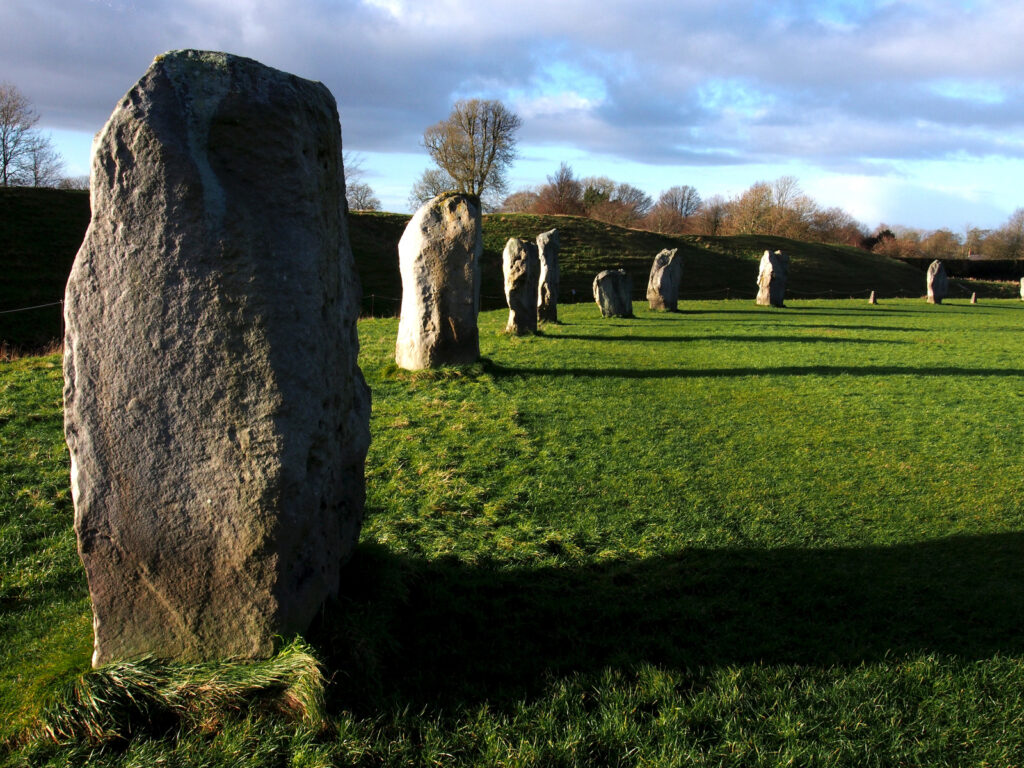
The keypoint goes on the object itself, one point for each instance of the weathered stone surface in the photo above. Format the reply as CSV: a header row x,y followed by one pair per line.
x,y
663,284
613,292
216,417
439,260
771,279
937,282
520,265
872,299
547,294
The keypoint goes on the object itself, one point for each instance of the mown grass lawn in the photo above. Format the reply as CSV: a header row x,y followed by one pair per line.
x,y
731,535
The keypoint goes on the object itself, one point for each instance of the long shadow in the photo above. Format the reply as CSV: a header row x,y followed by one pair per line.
x,y
724,337
502,371
433,632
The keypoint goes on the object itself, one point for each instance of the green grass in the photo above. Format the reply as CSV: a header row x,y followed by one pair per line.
x,y
726,536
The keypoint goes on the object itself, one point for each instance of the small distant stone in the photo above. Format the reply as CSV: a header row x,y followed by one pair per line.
x,y
771,279
547,295
974,298
439,261
663,283
937,282
1022,289
872,299
520,266
613,292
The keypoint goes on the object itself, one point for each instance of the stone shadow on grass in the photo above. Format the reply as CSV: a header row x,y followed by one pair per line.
x,y
420,632
806,339
502,371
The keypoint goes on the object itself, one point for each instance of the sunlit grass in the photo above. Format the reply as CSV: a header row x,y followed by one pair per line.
x,y
729,535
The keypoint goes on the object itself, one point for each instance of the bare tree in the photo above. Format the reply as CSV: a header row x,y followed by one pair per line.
x,y
359,196
74,182
40,165
475,145
684,200
433,182
17,123
563,194
711,218
521,201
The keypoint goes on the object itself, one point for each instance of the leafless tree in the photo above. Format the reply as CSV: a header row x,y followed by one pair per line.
x,y
40,165
563,194
17,132
359,196
433,182
521,201
475,145
684,200
74,182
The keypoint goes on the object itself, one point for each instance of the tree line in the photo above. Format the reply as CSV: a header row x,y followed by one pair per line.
x,y
474,147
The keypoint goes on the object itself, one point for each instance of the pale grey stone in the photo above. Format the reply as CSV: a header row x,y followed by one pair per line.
x,y
439,260
771,279
547,294
974,298
215,415
520,265
613,292
1022,288
872,299
937,282
663,283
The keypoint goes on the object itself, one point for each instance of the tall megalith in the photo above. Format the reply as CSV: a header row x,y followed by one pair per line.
x,y
520,266
1022,288
547,293
937,283
771,279
216,418
439,261
663,283
613,293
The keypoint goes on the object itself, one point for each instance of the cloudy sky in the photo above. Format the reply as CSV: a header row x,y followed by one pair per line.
x,y
903,111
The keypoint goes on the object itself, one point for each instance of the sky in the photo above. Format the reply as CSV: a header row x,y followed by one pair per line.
x,y
907,112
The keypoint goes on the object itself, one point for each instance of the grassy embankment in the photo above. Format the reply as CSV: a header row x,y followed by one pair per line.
x,y
40,231
731,535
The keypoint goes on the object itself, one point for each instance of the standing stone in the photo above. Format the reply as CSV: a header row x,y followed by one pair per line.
x,y
937,282
439,260
520,265
872,299
771,279
663,284
1022,288
216,417
974,298
547,295
613,292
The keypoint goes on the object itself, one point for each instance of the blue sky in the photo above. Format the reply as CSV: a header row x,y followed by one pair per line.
x,y
904,112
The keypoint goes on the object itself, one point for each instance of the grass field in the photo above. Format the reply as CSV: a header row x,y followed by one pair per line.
x,y
731,535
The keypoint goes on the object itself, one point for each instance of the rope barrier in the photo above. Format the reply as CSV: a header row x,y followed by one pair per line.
x,y
26,309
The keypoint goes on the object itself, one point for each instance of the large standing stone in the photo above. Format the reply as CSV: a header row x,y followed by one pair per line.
x,y
520,264
663,284
215,415
1022,288
439,260
547,296
937,282
613,292
771,279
